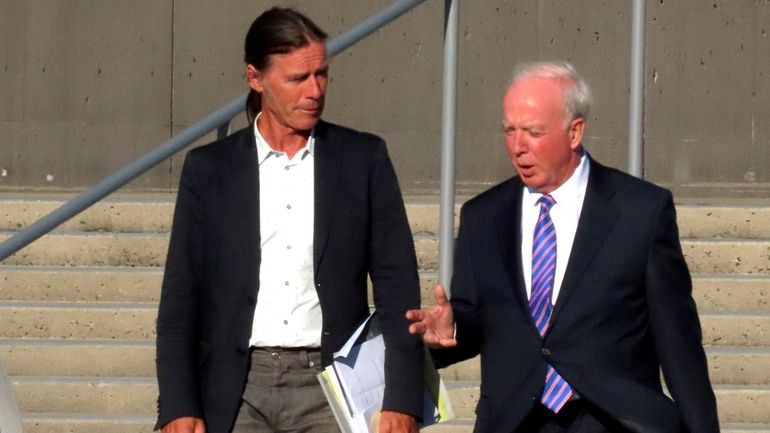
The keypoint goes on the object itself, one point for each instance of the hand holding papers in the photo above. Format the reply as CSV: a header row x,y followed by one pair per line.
x,y
354,384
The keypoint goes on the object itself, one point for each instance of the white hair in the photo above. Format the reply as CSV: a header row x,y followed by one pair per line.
x,y
575,91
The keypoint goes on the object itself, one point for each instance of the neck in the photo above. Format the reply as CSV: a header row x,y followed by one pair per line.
x,y
280,137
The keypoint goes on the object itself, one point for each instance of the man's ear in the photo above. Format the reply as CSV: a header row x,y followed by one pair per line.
x,y
576,129
254,78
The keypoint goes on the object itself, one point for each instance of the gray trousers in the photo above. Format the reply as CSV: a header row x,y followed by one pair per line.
x,y
283,395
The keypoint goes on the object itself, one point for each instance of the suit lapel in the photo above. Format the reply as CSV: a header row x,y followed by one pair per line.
x,y
327,175
244,175
508,228
596,220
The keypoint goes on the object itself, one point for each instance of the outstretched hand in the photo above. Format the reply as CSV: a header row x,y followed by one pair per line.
x,y
434,324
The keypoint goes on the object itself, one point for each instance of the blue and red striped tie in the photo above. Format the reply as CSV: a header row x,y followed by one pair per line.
x,y
557,391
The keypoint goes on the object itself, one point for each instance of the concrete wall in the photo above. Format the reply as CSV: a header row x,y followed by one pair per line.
x,y
87,86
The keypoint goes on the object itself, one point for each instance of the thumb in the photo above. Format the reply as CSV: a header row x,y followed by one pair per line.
x,y
200,426
440,294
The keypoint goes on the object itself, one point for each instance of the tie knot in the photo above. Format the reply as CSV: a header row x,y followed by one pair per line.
x,y
547,202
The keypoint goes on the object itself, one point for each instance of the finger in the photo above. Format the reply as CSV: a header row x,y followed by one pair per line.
x,y
440,294
415,315
417,328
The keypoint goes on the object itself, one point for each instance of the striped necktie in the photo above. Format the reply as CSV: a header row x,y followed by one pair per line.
x,y
557,391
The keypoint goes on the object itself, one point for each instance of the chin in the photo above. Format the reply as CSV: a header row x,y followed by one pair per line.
x,y
306,124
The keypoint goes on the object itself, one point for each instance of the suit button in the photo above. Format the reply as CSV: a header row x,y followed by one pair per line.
x,y
546,352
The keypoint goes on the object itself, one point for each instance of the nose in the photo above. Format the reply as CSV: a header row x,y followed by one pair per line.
x,y
315,87
515,142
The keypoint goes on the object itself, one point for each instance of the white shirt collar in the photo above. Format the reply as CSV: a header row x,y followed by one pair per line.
x,y
569,195
264,150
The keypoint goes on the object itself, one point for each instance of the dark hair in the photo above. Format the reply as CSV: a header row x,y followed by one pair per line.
x,y
276,31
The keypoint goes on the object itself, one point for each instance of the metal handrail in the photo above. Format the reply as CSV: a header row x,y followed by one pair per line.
x,y
218,120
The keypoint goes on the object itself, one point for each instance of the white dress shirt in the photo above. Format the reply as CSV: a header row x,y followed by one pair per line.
x,y
564,214
288,311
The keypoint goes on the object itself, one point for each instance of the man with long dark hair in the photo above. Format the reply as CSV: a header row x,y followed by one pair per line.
x,y
275,232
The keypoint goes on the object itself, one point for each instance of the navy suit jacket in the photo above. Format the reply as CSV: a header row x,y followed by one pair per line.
x,y
624,311
211,280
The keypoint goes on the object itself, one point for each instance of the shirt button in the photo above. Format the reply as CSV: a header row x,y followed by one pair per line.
x,y
285,322
546,352
288,206
288,247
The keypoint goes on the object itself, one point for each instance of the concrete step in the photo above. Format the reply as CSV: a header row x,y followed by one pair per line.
x,y
466,426
726,256
135,213
152,212
78,320
727,366
733,256
747,293
131,358
735,329
93,249
68,423
739,365
137,396
86,395
80,284
62,358
39,422
736,404
723,221
106,320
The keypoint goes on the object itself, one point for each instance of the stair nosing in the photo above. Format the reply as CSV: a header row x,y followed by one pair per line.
x,y
107,305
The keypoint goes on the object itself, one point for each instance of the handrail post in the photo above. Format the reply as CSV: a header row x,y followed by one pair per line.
x,y
448,118
636,96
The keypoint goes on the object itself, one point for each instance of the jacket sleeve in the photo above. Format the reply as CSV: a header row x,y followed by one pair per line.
x,y
178,320
393,271
675,325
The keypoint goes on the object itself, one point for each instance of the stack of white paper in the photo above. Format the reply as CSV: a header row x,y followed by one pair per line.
x,y
354,385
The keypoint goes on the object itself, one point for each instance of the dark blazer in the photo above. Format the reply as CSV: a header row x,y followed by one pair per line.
x,y
211,279
624,311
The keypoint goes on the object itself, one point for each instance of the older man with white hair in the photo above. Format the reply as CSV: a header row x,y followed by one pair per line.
x,y
571,284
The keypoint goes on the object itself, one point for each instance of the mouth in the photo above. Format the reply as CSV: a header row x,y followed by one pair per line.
x,y
525,170
314,111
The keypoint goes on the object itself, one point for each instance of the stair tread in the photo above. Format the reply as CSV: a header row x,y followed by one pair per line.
x,y
74,342
86,416
131,380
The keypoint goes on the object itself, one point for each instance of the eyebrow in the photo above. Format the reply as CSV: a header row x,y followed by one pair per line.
x,y
304,74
